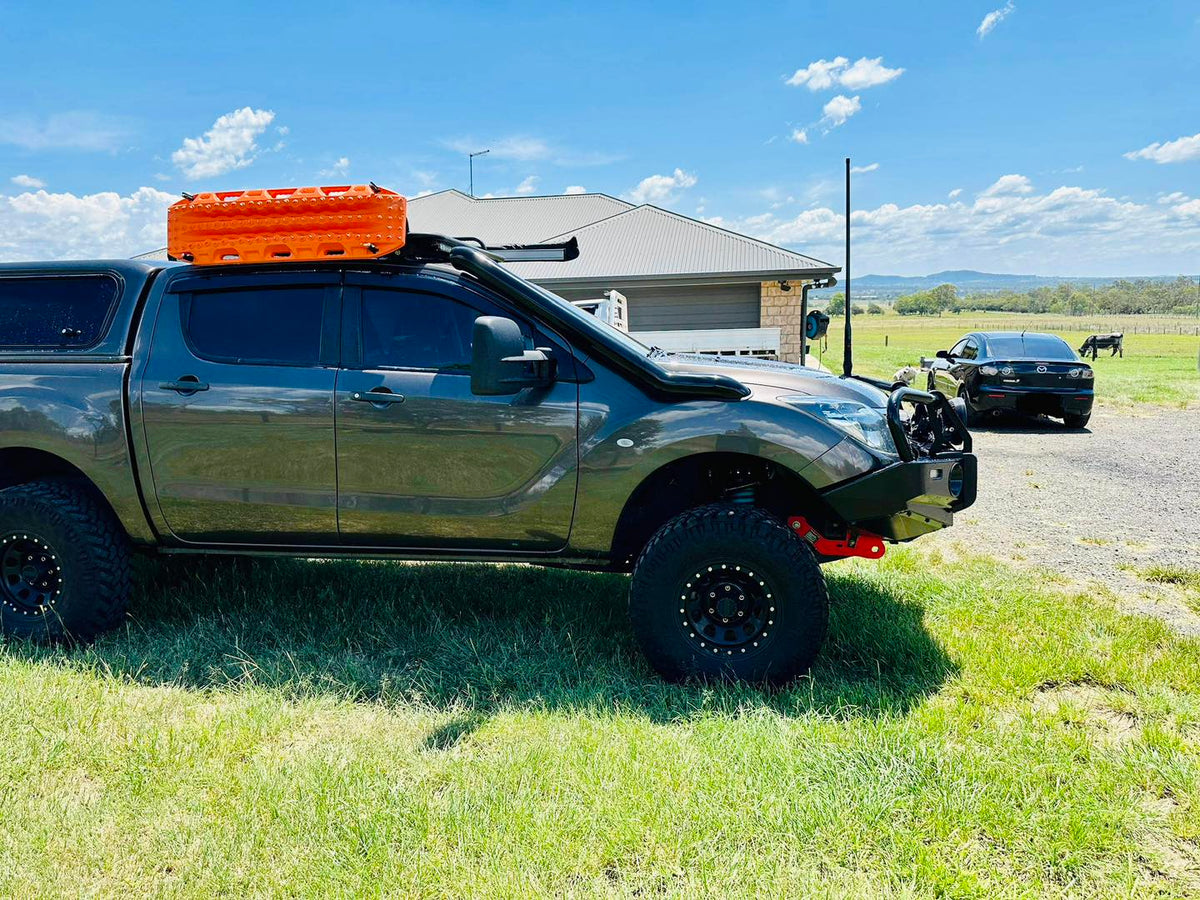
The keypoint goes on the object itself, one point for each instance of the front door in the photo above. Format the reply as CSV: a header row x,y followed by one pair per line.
x,y
237,405
424,462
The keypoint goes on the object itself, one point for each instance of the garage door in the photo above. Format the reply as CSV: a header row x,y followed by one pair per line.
x,y
685,307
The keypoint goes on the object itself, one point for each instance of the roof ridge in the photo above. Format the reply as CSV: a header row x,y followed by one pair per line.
x,y
524,197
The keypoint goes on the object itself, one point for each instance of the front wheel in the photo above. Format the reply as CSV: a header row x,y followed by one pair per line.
x,y
728,592
64,563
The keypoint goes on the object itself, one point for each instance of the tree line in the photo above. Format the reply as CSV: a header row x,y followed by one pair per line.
x,y
1123,297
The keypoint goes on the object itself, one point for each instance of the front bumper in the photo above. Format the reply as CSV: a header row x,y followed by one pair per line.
x,y
1033,401
922,491
907,499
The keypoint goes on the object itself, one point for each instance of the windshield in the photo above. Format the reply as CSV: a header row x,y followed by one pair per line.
x,y
587,320
1029,346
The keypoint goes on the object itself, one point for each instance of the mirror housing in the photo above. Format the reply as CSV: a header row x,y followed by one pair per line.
x,y
942,354
500,363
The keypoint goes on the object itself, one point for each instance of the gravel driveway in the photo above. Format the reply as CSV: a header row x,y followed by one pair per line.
x,y
1093,505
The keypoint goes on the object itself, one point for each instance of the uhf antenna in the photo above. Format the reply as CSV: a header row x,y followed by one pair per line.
x,y
847,353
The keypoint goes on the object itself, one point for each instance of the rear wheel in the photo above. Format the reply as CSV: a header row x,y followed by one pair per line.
x,y
728,592
1077,420
64,563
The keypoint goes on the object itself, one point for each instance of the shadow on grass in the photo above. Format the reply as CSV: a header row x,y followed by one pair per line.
x,y
472,639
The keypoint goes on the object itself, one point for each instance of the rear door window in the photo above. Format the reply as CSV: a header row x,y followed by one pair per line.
x,y
265,326
60,311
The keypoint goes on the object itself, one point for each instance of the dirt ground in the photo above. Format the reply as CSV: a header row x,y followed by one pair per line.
x,y
1099,505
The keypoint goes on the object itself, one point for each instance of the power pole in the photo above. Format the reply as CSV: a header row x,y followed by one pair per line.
x,y
471,166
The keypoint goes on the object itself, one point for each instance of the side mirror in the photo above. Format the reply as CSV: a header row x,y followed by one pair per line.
x,y
500,364
943,354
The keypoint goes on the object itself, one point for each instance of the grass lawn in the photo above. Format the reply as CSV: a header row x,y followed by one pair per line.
x,y
1157,370
316,729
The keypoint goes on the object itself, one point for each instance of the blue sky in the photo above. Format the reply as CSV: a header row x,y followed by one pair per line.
x,y
1062,138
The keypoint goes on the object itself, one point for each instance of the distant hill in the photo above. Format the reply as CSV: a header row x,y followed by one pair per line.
x,y
968,281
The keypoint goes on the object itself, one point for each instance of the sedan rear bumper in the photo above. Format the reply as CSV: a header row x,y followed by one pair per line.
x,y
1033,401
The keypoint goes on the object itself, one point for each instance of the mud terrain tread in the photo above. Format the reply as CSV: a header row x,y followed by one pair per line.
x,y
98,541
796,572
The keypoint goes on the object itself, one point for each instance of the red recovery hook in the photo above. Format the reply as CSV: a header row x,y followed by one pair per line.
x,y
857,543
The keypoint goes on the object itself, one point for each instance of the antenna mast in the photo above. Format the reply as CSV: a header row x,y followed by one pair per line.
x,y
471,166
847,353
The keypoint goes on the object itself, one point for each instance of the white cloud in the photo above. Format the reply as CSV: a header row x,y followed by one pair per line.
x,y
340,167
954,193
575,189
42,225
228,145
528,186
799,135
522,149
864,73
1181,149
1009,184
27,181
994,18
819,75
868,73
871,168
839,109
661,188
63,131
1067,230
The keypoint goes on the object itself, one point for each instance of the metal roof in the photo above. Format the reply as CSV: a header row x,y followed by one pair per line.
x,y
508,220
651,243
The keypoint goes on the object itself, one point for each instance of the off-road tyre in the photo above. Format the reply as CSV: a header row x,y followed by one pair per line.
x,y
773,617
64,563
974,416
1077,420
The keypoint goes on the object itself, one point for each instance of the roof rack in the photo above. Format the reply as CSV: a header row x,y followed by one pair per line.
x,y
360,222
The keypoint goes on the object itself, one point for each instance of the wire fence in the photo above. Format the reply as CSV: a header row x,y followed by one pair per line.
x,y
1128,324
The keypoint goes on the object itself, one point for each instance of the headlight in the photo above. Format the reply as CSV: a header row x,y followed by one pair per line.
x,y
863,423
988,370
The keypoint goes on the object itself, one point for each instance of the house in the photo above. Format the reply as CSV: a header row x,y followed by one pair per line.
x,y
689,284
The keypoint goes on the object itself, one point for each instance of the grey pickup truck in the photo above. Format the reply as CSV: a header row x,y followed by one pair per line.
x,y
433,405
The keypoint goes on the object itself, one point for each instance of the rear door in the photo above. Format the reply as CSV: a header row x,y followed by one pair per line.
x,y
237,406
424,462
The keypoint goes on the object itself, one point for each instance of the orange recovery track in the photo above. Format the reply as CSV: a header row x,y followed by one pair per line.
x,y
293,224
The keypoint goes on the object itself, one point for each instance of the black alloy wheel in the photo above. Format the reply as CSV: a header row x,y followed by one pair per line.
x,y
30,574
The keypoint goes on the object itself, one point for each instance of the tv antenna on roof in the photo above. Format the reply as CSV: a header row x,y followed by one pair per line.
x,y
471,165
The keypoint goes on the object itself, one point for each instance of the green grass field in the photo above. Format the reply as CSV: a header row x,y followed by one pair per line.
x,y
316,729
1159,369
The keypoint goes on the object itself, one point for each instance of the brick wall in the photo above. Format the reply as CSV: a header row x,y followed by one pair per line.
x,y
781,309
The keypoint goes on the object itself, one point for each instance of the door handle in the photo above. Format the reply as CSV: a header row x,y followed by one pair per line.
x,y
377,396
188,384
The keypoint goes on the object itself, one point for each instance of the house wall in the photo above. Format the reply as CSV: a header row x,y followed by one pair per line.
x,y
682,307
781,309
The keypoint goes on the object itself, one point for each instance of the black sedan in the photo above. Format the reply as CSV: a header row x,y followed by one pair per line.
x,y
1020,371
